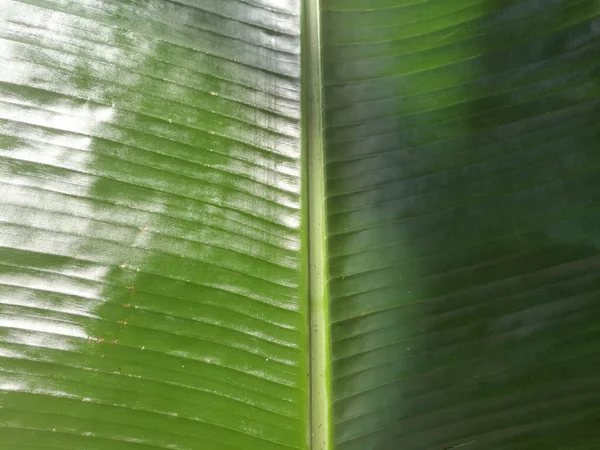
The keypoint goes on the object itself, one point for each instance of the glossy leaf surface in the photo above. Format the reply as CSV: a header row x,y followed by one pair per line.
x,y
152,275
155,187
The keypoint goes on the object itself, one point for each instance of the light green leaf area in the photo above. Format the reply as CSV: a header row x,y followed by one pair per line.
x,y
152,276
299,224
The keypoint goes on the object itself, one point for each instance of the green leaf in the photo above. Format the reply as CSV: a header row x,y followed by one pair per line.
x,y
463,208
275,224
152,271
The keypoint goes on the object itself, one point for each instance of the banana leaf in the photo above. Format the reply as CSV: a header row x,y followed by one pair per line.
x,y
286,224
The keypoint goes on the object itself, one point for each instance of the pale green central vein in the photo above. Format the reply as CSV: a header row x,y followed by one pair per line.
x,y
312,87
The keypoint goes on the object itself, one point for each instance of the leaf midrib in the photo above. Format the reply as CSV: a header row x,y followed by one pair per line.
x,y
320,437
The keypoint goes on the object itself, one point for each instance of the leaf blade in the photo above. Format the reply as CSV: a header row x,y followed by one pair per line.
x,y
461,169
151,228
